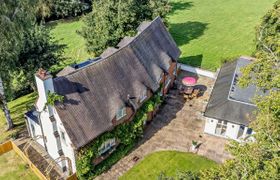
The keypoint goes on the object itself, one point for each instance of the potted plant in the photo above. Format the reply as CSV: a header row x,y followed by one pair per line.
x,y
194,145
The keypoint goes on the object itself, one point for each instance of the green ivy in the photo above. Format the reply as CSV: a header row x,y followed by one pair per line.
x,y
126,133
53,98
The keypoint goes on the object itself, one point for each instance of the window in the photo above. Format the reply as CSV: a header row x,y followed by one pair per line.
x,y
221,128
143,95
63,136
121,113
168,80
175,72
160,78
106,146
33,130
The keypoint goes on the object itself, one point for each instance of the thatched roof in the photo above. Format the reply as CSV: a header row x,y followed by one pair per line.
x,y
94,93
108,52
222,105
65,71
125,41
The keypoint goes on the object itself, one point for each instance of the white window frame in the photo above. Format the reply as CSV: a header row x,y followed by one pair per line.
x,y
168,82
143,95
175,71
33,130
63,138
121,113
222,127
106,146
160,78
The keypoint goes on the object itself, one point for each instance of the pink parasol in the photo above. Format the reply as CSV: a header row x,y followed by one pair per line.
x,y
189,81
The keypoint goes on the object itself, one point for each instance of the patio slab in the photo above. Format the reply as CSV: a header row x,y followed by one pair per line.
x,y
176,125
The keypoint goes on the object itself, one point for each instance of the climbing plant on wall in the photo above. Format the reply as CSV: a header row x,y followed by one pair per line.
x,y
126,133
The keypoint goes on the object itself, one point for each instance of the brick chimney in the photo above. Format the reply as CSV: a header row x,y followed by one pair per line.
x,y
44,83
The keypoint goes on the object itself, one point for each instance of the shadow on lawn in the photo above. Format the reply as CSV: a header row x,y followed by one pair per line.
x,y
183,33
17,112
192,60
179,6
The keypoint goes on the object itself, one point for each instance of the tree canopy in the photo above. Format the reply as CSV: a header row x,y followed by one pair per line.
x,y
48,10
25,46
111,20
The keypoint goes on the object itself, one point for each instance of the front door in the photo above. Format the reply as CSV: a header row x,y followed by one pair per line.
x,y
221,128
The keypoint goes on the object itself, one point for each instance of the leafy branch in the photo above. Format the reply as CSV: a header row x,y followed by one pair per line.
x,y
53,98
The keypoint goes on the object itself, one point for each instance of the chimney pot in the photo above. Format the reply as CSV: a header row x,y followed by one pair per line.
x,y
43,74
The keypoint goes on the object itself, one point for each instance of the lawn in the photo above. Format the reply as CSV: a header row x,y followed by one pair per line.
x,y
168,162
206,31
17,108
211,30
13,168
65,32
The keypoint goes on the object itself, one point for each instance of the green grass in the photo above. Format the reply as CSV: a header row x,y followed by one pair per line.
x,y
168,162
13,168
17,108
65,32
208,31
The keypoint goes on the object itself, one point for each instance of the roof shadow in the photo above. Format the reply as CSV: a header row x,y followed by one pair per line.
x,y
192,60
183,33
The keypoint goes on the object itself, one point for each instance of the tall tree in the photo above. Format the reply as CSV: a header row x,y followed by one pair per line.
x,y
4,106
15,19
260,159
25,46
39,51
111,20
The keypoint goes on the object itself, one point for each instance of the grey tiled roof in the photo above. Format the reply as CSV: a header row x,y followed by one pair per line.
x,y
231,106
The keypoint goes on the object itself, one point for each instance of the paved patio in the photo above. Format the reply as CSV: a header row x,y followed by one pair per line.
x,y
176,125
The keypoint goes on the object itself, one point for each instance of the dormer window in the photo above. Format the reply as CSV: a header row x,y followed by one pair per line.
x,y
143,95
121,113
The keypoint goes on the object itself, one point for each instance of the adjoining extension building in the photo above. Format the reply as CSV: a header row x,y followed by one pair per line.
x,y
230,108
98,93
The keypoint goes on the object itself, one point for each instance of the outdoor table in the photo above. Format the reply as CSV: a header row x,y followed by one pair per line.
x,y
189,81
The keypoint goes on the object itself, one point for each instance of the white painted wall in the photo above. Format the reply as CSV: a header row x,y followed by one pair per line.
x,y
210,125
49,134
37,131
198,71
45,86
232,130
67,146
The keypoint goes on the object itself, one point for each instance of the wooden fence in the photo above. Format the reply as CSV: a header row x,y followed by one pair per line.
x,y
9,145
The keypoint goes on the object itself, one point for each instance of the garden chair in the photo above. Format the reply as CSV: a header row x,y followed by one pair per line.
x,y
196,93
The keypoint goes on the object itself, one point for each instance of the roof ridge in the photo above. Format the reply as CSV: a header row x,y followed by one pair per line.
x,y
118,49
